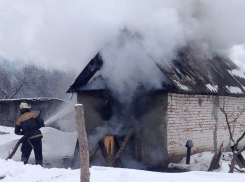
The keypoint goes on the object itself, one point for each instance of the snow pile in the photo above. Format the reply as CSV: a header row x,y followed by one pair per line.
x,y
16,171
202,161
212,88
181,86
238,73
198,162
56,146
234,90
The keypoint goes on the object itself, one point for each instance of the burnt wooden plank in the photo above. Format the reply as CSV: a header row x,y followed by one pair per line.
x,y
123,146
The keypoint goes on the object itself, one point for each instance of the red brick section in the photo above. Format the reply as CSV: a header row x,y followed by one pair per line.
x,y
188,120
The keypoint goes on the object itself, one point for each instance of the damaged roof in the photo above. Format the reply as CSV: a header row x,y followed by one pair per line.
x,y
188,73
87,75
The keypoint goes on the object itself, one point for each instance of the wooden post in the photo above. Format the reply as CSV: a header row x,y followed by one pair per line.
x,y
217,166
233,163
215,160
122,148
241,171
83,144
240,160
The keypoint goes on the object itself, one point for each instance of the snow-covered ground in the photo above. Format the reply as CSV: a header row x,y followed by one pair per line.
x,y
16,171
201,162
57,145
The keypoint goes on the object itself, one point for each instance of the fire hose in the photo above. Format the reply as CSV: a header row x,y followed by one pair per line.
x,y
15,148
20,141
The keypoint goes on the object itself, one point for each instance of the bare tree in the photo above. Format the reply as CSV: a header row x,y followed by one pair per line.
x,y
5,77
13,81
28,81
18,87
236,152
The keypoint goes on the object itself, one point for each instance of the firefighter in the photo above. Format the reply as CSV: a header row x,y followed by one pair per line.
x,y
28,125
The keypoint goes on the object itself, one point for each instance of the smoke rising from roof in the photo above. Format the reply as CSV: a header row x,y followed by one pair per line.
x,y
69,33
127,66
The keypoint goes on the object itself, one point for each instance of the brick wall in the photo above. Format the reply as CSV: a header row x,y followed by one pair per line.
x,y
197,118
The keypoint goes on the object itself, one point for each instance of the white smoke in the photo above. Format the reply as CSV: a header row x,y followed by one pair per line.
x,y
127,60
68,34
237,54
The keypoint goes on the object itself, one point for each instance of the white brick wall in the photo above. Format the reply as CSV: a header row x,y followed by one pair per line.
x,y
187,120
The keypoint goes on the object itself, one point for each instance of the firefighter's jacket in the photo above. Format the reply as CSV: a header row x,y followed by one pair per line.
x,y
31,123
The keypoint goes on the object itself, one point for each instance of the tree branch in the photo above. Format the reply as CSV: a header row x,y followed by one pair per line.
x,y
235,151
241,137
238,116
18,88
241,150
227,122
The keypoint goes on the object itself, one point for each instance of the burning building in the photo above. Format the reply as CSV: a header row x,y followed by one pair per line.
x,y
185,107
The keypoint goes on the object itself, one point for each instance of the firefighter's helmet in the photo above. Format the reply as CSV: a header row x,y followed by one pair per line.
x,y
24,105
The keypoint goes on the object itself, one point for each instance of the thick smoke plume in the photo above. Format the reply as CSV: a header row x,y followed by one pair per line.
x,y
133,66
69,33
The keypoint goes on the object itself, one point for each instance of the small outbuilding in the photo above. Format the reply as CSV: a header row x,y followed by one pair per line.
x,y
185,108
